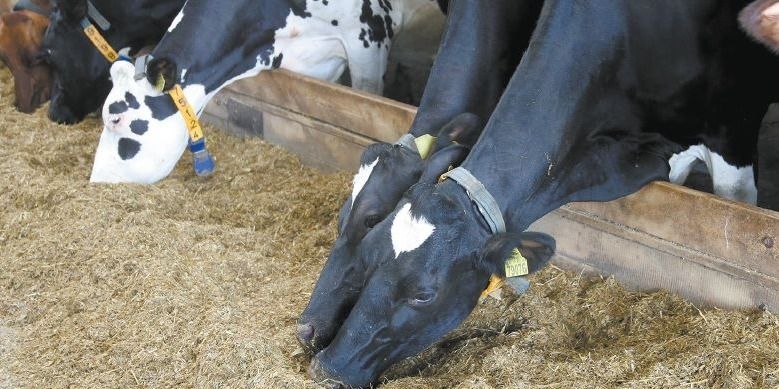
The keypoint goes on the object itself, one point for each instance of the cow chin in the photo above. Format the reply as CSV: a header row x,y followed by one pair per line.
x,y
333,297
124,159
386,325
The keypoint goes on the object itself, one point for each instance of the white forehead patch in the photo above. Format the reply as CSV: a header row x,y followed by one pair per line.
x,y
361,178
407,232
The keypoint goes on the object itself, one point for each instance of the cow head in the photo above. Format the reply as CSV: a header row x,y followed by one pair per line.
x,y
425,267
143,136
21,35
80,72
386,172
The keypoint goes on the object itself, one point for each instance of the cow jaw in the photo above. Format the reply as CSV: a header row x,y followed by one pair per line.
x,y
140,143
124,157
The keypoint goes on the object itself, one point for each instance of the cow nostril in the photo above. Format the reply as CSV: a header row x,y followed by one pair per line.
x,y
305,333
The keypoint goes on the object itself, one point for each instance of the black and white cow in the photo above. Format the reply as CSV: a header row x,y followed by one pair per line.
x,y
607,92
761,20
80,72
212,44
481,47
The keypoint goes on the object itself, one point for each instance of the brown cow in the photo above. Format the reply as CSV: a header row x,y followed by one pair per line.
x,y
6,6
21,35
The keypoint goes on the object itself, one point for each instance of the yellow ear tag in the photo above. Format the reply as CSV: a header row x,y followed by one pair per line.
x,y
495,284
516,265
160,84
425,145
187,112
100,43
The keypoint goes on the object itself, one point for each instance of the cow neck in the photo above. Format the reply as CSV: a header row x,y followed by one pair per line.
x,y
485,203
222,53
539,119
29,5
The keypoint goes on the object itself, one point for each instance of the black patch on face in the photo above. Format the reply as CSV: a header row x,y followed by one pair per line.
x,y
299,9
128,148
117,107
277,61
131,100
161,107
139,127
334,22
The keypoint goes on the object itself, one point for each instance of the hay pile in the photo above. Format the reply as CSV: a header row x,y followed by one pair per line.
x,y
194,283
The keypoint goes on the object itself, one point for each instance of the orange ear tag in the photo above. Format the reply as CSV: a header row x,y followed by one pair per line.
x,y
495,284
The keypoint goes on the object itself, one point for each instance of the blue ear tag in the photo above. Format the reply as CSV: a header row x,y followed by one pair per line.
x,y
202,160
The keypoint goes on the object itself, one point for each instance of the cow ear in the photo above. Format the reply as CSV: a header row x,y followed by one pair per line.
x,y
465,128
73,9
372,152
442,161
162,72
535,250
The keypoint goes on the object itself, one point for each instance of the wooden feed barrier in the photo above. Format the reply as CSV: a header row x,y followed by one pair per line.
x,y
711,251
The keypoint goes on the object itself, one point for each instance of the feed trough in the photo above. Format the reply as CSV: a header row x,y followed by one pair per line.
x,y
709,250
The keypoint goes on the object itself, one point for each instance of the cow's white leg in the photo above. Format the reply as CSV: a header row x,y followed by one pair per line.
x,y
731,182
367,66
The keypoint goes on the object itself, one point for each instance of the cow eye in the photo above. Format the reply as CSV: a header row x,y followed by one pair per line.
x,y
372,221
43,56
422,298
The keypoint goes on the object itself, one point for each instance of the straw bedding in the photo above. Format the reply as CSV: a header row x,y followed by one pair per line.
x,y
198,283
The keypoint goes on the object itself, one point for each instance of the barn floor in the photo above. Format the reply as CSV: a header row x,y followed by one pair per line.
x,y
194,283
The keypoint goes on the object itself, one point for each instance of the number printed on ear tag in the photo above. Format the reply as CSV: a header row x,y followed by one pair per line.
x,y
516,265
100,43
187,112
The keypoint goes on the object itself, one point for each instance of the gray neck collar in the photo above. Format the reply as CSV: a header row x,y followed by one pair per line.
x,y
30,6
484,201
407,141
97,17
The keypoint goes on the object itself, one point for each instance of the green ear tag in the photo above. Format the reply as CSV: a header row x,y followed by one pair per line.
x,y
425,145
160,84
516,265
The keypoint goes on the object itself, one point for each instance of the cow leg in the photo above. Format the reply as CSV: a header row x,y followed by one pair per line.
x,y
730,182
366,66
768,161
